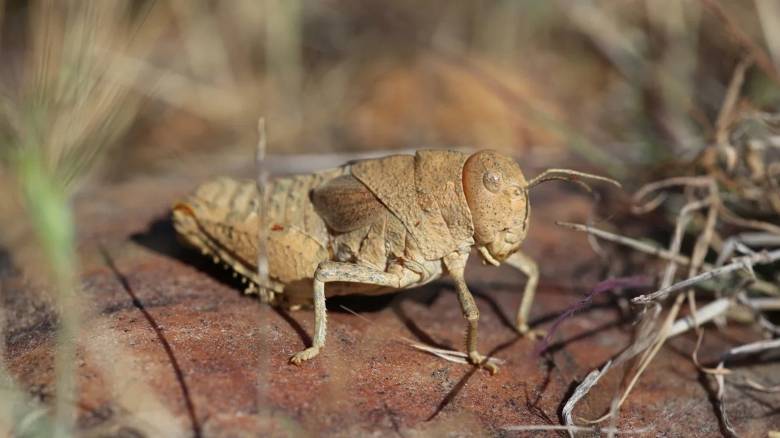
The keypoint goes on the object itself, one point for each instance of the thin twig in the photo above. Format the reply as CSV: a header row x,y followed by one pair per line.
x,y
720,378
756,305
759,387
261,206
729,103
764,303
689,181
746,263
448,355
651,353
638,245
729,216
679,230
702,315
746,239
758,285
643,339
582,389
571,429
752,348
742,38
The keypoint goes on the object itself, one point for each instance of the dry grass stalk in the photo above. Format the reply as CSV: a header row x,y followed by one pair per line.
x,y
573,429
700,316
55,124
746,263
448,355
721,372
716,309
743,39
763,388
645,247
759,285
262,183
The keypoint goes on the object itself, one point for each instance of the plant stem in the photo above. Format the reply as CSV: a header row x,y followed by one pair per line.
x,y
51,217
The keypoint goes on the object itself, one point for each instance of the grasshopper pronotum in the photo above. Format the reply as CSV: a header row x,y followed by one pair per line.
x,y
371,227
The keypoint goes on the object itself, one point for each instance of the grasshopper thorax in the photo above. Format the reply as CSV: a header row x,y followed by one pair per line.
x,y
497,196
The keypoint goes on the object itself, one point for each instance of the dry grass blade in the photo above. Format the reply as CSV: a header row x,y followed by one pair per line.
x,y
674,248
64,111
647,357
572,429
745,240
701,316
580,391
742,38
638,245
752,348
643,339
260,207
764,303
745,263
758,285
730,217
688,181
720,374
763,388
720,378
757,306
448,355
726,113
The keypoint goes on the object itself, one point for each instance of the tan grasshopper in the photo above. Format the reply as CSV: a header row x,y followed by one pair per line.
x,y
371,227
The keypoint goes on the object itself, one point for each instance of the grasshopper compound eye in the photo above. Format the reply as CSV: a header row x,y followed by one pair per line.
x,y
492,181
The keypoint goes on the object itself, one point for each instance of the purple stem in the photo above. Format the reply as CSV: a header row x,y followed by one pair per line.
x,y
636,281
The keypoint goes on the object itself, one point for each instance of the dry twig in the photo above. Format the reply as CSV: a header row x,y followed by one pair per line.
x,y
745,263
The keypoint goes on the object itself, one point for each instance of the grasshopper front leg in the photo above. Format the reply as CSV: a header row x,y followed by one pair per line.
x,y
527,266
335,271
456,265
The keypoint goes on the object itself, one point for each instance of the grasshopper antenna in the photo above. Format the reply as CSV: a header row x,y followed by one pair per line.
x,y
571,176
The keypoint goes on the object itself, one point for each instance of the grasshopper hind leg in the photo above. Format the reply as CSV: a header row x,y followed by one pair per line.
x,y
342,272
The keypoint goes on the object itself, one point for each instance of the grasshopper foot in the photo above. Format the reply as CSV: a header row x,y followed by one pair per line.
x,y
481,361
533,335
304,355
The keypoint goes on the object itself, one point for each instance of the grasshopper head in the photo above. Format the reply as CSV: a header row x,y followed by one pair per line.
x,y
497,195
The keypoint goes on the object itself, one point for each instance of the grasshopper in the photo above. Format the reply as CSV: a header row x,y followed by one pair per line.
x,y
371,227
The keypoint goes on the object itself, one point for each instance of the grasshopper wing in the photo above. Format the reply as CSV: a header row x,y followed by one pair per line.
x,y
345,204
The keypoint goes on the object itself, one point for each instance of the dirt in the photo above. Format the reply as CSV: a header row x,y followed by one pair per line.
x,y
171,347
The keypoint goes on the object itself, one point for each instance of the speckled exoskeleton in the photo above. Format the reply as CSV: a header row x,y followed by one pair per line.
x,y
371,227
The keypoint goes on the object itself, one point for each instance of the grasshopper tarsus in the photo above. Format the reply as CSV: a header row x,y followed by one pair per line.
x,y
304,355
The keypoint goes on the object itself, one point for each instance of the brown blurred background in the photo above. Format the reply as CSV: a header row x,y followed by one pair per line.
x,y
614,83
135,102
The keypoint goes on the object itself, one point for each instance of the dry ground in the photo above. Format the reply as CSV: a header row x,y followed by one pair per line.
x,y
171,347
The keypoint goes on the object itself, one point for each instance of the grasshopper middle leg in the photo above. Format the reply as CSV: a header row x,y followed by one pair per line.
x,y
527,266
335,271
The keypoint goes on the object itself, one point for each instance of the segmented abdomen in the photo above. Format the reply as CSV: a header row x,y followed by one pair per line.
x,y
289,204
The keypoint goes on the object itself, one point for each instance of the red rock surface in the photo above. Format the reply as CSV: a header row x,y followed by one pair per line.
x,y
177,350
